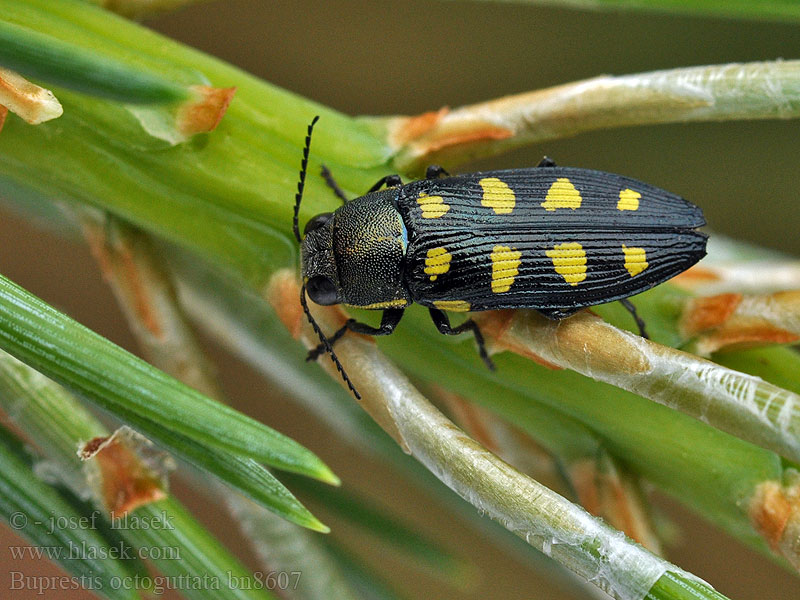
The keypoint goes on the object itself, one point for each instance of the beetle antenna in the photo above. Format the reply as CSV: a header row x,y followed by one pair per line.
x,y
300,184
324,339
296,228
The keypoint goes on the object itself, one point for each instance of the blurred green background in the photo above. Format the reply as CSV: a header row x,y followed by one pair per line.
x,y
413,56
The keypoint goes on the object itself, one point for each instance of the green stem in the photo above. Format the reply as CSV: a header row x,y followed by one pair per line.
x,y
40,56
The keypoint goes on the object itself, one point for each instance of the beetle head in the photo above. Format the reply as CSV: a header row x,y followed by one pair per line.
x,y
318,264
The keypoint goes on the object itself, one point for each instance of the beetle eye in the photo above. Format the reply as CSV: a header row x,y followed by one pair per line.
x,y
322,290
317,222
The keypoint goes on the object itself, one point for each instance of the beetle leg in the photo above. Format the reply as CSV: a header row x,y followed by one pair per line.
x,y
547,162
320,349
442,322
328,177
435,171
639,321
388,180
391,317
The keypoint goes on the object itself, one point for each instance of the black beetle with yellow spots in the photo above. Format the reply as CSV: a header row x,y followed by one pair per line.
x,y
549,238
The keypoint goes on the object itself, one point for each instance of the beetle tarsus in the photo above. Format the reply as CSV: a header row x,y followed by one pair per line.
x,y
442,322
639,321
320,349
391,317
388,181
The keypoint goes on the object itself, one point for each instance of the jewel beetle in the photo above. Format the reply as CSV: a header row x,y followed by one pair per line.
x,y
550,238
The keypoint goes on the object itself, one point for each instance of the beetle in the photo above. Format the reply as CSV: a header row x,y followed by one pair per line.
x,y
549,238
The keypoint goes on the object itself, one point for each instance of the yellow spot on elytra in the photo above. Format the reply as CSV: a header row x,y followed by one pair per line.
x,y
635,260
562,194
497,196
452,305
432,207
628,200
569,260
505,267
437,262
397,303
